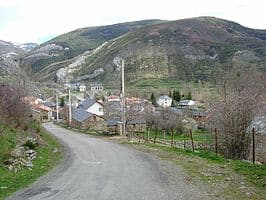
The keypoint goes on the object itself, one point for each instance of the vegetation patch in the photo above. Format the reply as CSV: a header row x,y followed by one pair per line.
x,y
48,156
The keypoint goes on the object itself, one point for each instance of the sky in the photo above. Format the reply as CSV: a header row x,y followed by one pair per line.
x,y
37,21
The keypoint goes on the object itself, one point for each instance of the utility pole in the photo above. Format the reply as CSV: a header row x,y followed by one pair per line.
x,y
70,107
123,97
57,114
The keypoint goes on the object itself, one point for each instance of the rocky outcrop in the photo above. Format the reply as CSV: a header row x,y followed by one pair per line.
x,y
21,156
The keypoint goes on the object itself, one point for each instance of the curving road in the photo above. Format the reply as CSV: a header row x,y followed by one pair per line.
x,y
96,169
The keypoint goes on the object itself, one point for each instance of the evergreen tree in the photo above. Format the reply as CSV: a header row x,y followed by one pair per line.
x,y
153,99
189,96
62,102
174,94
170,94
177,96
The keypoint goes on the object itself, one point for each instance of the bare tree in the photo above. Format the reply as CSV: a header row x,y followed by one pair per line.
x,y
239,99
13,108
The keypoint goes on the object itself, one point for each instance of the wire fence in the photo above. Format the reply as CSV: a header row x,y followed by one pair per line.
x,y
199,140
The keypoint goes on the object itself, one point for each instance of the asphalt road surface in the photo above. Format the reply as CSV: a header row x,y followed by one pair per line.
x,y
95,169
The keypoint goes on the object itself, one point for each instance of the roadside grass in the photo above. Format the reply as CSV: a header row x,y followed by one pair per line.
x,y
47,157
227,179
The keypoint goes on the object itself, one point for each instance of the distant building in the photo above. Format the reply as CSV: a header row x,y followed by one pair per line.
x,y
82,88
92,106
113,98
33,100
114,126
188,104
164,101
86,120
95,87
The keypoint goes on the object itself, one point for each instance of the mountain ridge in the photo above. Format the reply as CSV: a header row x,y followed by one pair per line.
x,y
188,49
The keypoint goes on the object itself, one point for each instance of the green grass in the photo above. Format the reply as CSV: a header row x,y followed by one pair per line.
x,y
155,83
255,174
46,159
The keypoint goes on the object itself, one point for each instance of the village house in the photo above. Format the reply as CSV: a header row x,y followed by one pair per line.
x,y
82,88
82,119
50,105
92,106
187,104
113,98
33,100
164,101
44,111
136,125
95,87
114,127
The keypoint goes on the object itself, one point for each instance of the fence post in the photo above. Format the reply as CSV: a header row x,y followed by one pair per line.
x,y
253,145
192,142
216,141
184,141
164,136
172,137
148,135
155,136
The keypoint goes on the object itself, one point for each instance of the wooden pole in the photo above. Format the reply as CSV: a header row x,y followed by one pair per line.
x,y
253,145
57,113
192,142
123,98
70,106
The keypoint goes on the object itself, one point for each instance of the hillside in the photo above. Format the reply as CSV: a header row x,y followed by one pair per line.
x,y
72,44
190,49
9,49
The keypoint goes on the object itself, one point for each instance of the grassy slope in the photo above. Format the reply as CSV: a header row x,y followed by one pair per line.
x,y
46,159
227,179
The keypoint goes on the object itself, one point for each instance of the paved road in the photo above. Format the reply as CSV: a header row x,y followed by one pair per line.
x,y
96,169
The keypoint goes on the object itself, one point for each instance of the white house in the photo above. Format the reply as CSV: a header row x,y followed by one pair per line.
x,y
188,104
92,106
82,88
94,87
164,101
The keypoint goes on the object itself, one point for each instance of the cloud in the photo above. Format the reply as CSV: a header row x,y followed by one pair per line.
x,y
33,20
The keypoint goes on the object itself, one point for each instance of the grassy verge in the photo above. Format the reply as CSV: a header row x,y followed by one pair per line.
x,y
227,179
47,157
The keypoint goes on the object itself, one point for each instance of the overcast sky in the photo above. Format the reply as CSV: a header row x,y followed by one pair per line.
x,y
39,20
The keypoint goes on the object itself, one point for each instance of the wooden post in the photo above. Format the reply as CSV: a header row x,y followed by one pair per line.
x,y
192,142
172,137
253,145
184,141
164,135
155,136
216,141
148,135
